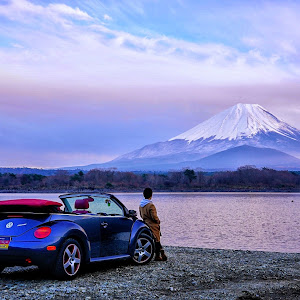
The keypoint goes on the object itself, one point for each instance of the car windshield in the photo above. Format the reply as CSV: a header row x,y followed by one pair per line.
x,y
102,205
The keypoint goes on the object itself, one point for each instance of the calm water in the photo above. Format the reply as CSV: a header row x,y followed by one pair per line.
x,y
248,221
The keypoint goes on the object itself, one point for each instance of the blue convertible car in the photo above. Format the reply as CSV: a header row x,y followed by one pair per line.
x,y
60,237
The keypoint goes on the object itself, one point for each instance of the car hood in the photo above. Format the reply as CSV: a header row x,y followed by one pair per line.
x,y
16,224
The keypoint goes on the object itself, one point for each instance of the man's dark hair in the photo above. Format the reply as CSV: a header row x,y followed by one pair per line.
x,y
147,193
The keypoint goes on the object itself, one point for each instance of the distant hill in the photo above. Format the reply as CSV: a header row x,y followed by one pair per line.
x,y
44,172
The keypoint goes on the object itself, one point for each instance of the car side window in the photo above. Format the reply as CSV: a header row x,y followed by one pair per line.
x,y
106,206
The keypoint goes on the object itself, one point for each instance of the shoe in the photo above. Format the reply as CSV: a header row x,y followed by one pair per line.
x,y
163,255
158,257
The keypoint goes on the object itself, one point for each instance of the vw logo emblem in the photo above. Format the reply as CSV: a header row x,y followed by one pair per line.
x,y
9,225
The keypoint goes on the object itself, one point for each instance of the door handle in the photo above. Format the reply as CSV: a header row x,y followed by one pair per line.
x,y
104,224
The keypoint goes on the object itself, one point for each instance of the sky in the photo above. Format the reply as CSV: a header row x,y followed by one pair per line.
x,y
83,82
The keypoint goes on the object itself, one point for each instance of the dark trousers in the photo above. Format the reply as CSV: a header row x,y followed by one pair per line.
x,y
158,247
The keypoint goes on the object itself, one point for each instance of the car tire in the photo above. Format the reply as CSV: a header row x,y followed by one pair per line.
x,y
144,250
69,260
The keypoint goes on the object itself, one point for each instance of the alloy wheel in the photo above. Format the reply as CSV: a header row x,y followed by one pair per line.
x,y
143,250
71,259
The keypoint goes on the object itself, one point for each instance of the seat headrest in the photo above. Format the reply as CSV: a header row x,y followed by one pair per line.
x,y
82,203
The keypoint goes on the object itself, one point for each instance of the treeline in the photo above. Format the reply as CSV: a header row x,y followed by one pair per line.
x,y
24,170
243,179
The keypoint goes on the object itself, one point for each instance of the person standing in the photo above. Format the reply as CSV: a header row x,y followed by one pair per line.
x,y
149,215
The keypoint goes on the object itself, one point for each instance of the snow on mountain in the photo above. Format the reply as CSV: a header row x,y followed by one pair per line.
x,y
238,122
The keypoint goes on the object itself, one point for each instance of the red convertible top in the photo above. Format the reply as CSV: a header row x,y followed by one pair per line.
x,y
30,202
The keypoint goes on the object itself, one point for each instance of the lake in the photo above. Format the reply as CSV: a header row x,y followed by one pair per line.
x,y
247,221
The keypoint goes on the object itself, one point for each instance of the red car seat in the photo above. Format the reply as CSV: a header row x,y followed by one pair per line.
x,y
82,205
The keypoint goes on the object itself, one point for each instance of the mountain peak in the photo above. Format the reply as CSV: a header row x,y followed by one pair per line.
x,y
236,123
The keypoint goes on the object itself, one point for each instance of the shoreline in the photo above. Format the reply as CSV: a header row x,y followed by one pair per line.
x,y
229,249
189,273
139,191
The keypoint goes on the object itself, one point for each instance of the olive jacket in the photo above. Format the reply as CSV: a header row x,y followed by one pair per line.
x,y
149,215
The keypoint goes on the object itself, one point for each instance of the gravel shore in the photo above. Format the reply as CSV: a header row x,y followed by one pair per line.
x,y
189,273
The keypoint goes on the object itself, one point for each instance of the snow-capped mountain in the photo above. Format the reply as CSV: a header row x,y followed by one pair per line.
x,y
242,124
239,122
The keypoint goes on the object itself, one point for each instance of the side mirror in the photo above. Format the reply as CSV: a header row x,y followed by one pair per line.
x,y
132,214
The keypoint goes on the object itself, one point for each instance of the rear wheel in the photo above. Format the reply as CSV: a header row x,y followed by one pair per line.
x,y
69,260
144,250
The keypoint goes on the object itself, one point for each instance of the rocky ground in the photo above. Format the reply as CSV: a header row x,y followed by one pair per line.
x,y
189,273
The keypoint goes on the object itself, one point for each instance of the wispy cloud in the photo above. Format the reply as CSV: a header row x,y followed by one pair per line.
x,y
63,9
25,11
107,17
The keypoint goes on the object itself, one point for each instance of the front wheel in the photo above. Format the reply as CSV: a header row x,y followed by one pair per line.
x,y
69,260
144,250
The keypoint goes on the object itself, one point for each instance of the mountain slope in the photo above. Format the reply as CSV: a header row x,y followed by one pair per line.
x,y
236,157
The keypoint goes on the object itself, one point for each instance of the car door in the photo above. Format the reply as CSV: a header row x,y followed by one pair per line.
x,y
115,235
115,227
